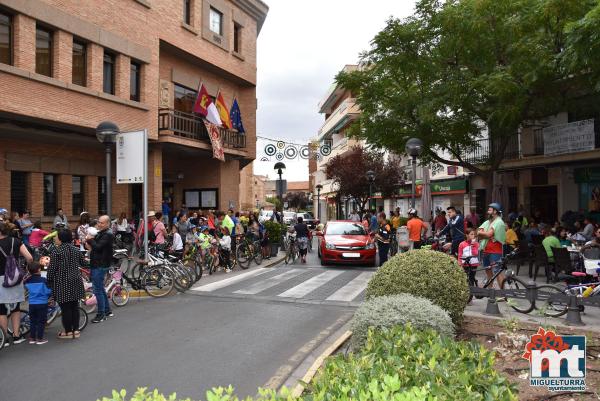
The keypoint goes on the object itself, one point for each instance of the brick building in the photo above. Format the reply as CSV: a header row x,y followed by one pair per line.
x,y
65,66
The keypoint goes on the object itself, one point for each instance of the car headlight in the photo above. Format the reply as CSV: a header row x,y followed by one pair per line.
x,y
329,245
370,246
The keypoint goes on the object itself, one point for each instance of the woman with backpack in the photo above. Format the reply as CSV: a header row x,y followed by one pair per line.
x,y
12,292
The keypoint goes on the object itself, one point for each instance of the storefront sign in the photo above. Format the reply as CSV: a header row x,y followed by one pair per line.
x,y
130,157
569,138
449,187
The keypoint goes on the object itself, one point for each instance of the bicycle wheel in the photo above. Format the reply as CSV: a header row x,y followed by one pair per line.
x,y
244,255
309,244
52,314
88,307
83,319
158,281
288,256
258,257
2,339
25,325
518,304
551,308
119,295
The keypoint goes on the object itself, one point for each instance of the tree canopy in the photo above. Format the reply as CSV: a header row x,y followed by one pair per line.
x,y
461,71
348,172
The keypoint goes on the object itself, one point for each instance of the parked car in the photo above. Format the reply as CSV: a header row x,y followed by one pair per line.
x,y
289,218
265,215
346,242
309,219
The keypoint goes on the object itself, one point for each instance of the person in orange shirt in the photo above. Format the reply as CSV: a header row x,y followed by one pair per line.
x,y
416,229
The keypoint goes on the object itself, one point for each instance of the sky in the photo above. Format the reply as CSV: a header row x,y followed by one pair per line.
x,y
301,47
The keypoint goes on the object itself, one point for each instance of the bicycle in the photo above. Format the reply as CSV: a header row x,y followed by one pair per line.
x,y
155,280
54,311
115,290
292,252
510,282
558,307
24,327
249,250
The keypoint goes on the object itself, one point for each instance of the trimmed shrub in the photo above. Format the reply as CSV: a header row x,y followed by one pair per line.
x,y
273,230
424,273
391,310
216,394
405,364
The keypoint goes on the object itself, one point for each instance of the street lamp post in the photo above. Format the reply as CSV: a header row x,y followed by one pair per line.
x,y
371,178
319,188
280,168
414,148
106,133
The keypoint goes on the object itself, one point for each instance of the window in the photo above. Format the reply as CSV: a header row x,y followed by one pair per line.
x,y
101,195
237,38
79,63
134,82
43,52
77,194
109,73
5,39
18,191
50,194
187,11
216,21
184,98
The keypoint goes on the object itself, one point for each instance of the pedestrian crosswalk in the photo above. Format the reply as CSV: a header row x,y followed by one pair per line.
x,y
310,284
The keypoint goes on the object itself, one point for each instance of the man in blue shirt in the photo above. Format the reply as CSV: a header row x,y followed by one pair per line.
x,y
166,210
455,227
373,226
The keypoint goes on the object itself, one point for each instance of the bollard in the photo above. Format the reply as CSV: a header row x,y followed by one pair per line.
x,y
573,312
492,308
531,291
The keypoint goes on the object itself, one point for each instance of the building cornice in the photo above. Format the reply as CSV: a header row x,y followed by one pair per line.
x,y
256,9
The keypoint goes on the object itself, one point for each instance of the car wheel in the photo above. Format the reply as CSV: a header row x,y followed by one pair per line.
x,y
323,263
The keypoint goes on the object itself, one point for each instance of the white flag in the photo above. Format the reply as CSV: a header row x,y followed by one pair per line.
x,y
213,114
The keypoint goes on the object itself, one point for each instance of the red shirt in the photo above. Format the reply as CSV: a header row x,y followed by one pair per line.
x,y
493,247
36,237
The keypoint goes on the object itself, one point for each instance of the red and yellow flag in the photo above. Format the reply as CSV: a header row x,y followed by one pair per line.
x,y
202,102
223,110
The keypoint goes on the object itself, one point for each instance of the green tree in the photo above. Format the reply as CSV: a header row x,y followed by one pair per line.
x,y
296,200
273,200
465,75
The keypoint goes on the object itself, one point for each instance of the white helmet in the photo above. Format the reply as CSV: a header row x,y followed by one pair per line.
x,y
412,211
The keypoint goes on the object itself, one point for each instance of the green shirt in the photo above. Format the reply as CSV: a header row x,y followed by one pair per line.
x,y
499,232
227,222
550,242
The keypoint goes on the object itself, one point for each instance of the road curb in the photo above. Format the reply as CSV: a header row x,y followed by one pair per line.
x,y
312,370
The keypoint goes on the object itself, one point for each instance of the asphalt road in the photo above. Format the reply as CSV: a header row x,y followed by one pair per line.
x,y
240,333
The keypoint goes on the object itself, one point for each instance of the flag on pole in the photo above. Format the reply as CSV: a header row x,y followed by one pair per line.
x,y
236,117
223,110
216,140
205,106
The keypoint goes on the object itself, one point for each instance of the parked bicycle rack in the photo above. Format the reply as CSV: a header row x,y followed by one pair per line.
x,y
531,293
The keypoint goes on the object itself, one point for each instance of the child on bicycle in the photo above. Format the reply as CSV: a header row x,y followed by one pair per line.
x,y
468,254
37,286
204,242
225,244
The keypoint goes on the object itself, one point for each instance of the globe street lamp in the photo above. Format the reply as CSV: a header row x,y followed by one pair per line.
x,y
106,133
280,168
319,188
371,178
414,148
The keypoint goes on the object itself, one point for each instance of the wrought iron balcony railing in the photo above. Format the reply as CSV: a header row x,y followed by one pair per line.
x,y
187,125
486,147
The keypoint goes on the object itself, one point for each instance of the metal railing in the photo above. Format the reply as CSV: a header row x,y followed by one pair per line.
x,y
187,125
486,147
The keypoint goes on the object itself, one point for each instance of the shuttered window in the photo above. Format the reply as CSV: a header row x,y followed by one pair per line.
x,y
18,191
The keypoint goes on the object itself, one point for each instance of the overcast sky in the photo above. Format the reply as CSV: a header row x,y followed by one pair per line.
x,y
301,47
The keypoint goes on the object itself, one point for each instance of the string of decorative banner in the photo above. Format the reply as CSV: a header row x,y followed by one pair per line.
x,y
279,150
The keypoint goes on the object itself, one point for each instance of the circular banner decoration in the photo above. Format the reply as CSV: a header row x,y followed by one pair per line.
x,y
290,152
318,157
304,152
264,159
279,156
280,144
270,150
325,150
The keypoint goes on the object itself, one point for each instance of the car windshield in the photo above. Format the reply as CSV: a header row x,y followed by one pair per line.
x,y
307,216
289,214
345,229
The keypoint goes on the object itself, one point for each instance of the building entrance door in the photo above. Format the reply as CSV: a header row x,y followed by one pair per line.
x,y
544,203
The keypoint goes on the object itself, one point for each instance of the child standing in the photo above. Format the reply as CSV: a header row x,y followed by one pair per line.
x,y
38,303
468,253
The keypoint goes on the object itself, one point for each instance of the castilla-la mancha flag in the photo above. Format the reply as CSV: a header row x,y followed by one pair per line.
x,y
216,140
205,106
223,110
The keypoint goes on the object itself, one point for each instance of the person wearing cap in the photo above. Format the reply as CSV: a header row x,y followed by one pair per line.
x,y
492,237
156,225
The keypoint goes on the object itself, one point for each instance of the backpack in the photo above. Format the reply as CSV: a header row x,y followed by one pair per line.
x,y
152,234
13,274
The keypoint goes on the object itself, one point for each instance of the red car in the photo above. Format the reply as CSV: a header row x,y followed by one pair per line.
x,y
346,242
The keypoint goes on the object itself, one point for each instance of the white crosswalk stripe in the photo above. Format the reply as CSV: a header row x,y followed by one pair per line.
x,y
230,281
351,290
270,282
310,285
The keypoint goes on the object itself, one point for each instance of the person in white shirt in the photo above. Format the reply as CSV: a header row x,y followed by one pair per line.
x,y
120,224
177,246
225,243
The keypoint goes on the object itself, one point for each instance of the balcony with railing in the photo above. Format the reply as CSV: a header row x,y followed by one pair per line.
x,y
345,113
190,126
486,147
